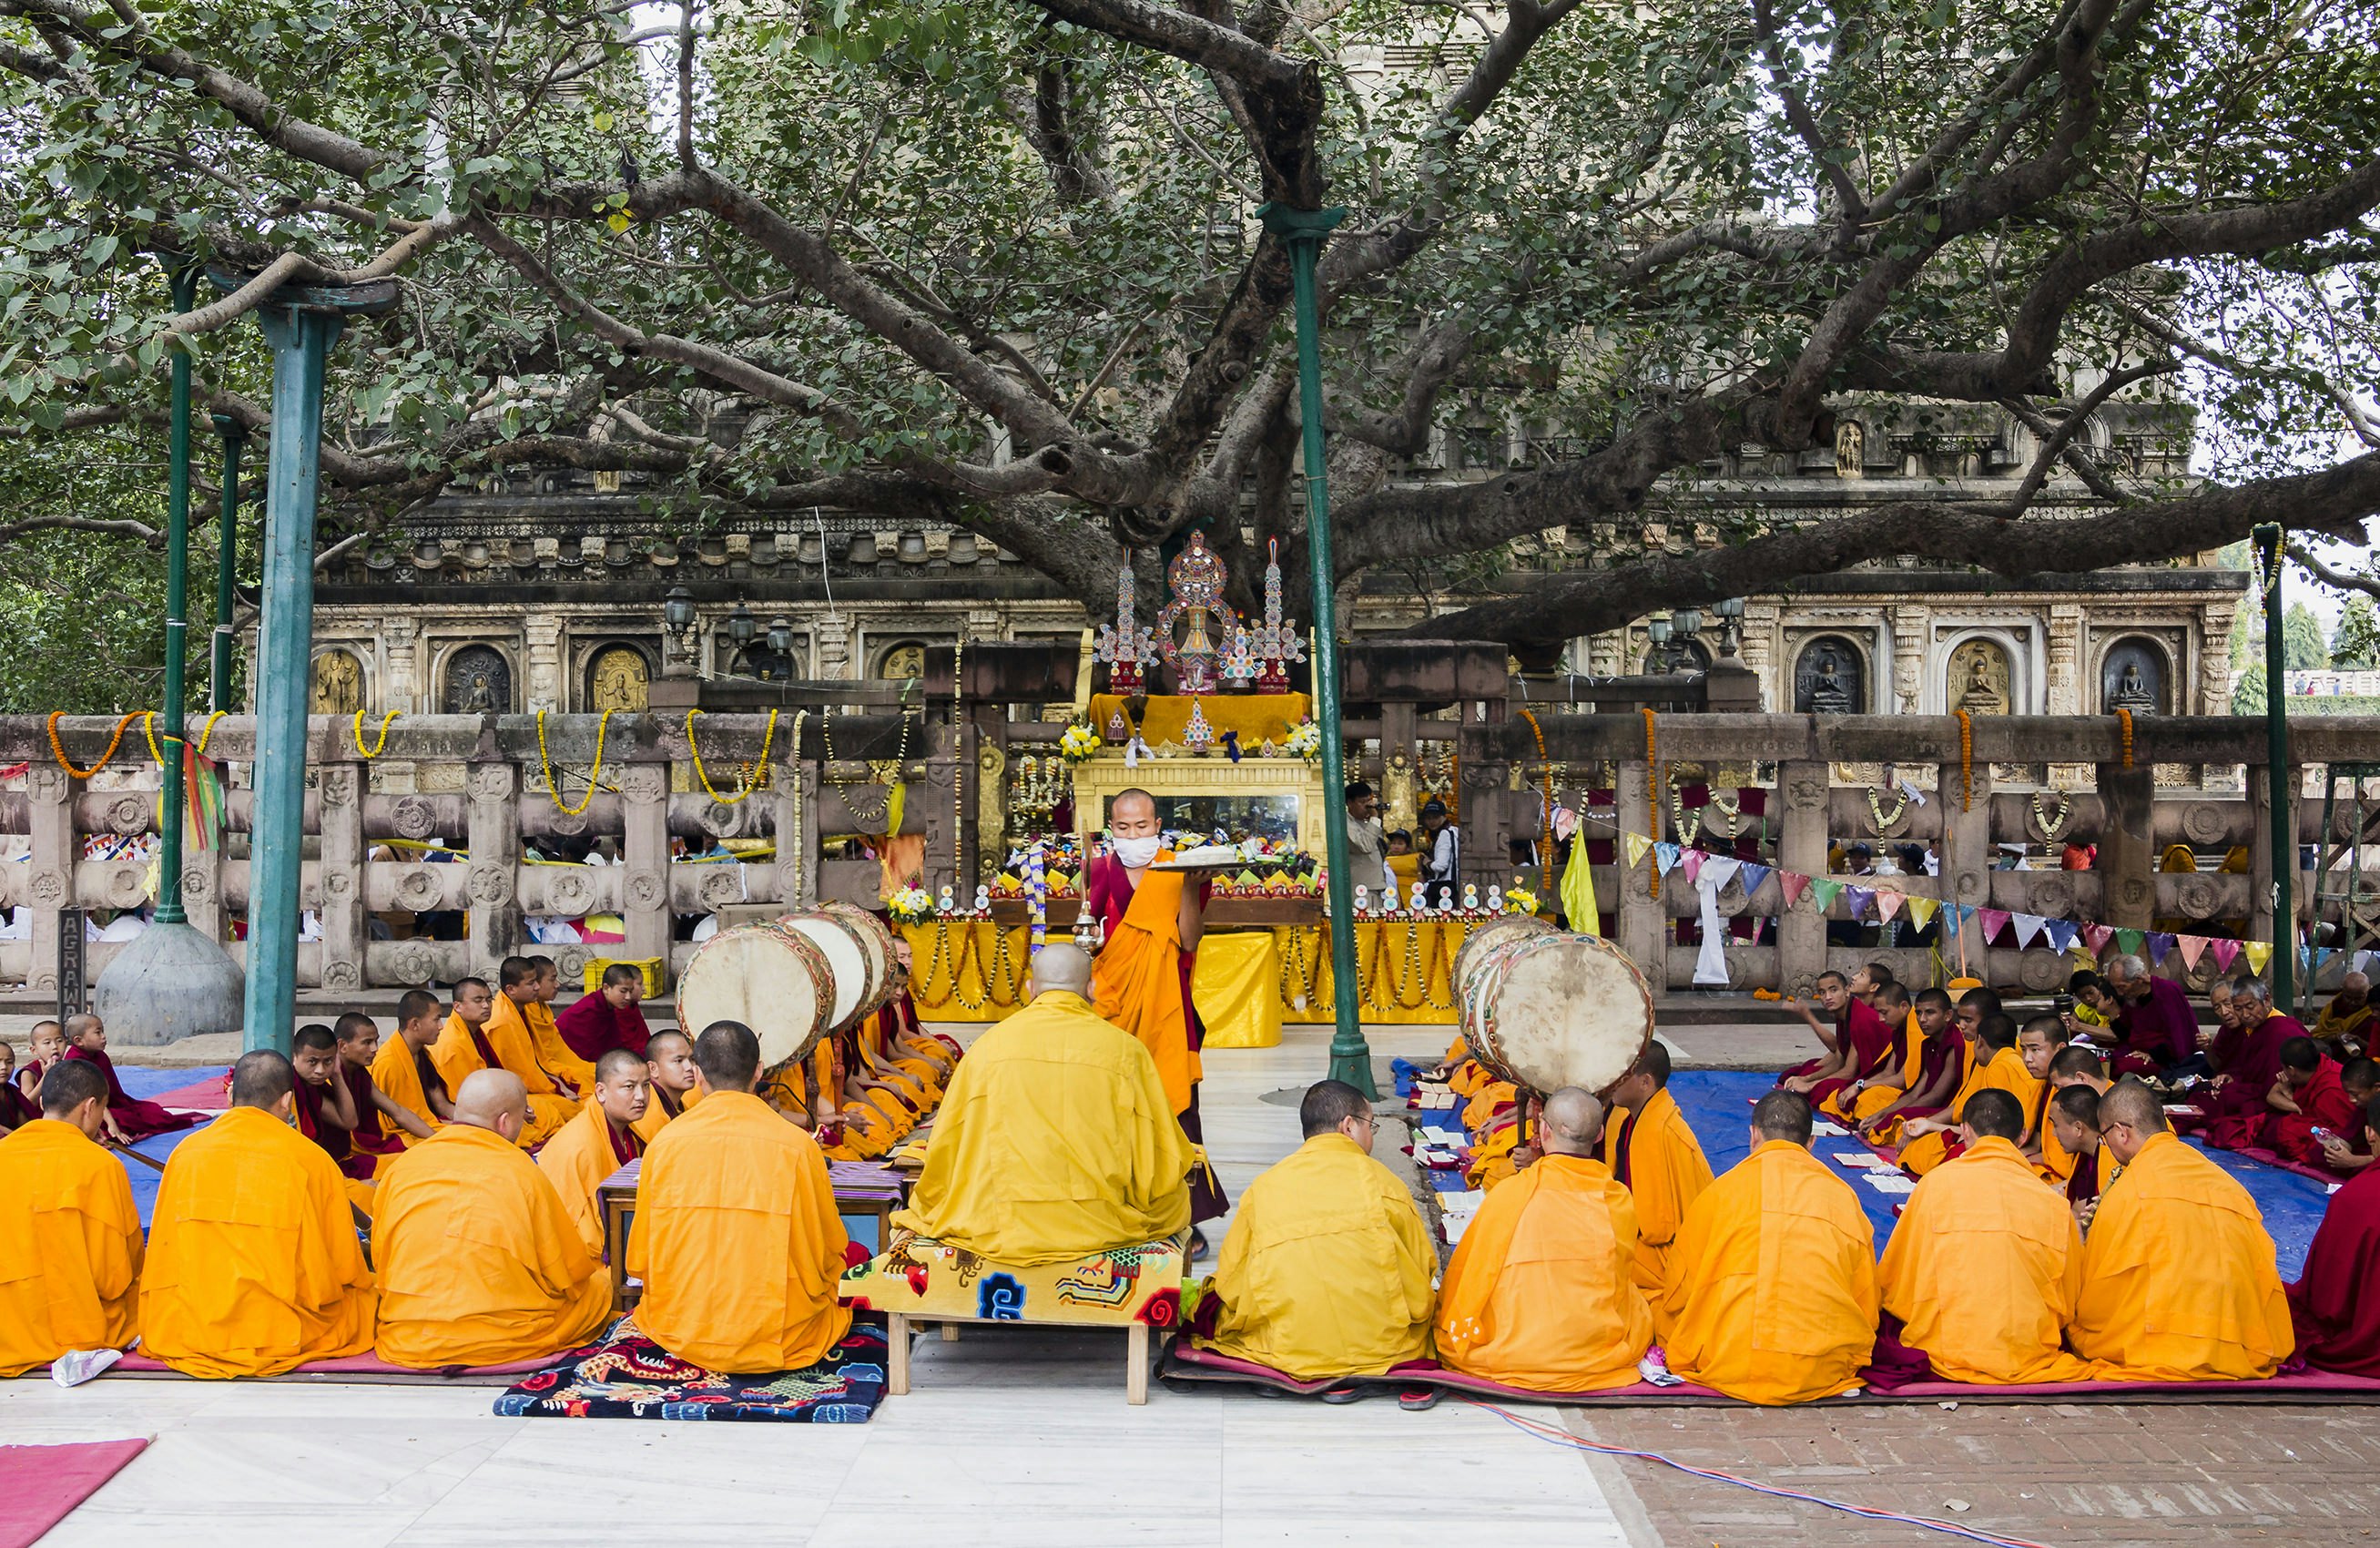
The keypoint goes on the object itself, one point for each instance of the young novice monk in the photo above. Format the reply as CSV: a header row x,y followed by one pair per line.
x,y
47,1045
16,1108
405,1074
597,1142
380,1125
669,1064
130,1120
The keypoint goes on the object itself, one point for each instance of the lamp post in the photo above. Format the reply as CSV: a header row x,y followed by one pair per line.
x,y
1302,231
178,604
2278,786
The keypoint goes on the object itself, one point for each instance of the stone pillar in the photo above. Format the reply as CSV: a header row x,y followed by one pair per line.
x,y
797,844
1802,845
833,645
2127,846
643,892
543,634
401,666
1913,629
202,889
493,823
2214,692
339,786
2063,671
2260,850
1966,844
946,841
1643,923
49,807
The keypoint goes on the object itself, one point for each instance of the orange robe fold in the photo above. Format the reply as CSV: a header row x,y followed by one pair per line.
x,y
1984,1269
576,1161
1538,1294
1136,984
737,1240
553,1053
2005,1072
253,1264
462,1051
1657,1157
1772,1294
69,1246
398,1071
479,1264
658,1112
2178,1282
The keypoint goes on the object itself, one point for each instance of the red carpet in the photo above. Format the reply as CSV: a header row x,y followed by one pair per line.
x,y
204,1096
40,1485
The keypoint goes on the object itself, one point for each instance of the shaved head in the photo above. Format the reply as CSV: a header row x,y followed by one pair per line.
x,y
623,1083
1782,1115
619,1063
263,1078
69,1084
1993,1115
2132,1107
489,1099
1060,969
1572,1124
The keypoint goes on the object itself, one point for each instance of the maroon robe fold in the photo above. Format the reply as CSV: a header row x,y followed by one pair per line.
x,y
374,1135
592,1026
2323,1103
16,1108
336,1142
137,1119
2236,1115
1872,1045
2333,1306
2083,1184
2160,1030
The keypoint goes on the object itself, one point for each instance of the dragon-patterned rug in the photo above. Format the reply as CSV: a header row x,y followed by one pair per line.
x,y
625,1375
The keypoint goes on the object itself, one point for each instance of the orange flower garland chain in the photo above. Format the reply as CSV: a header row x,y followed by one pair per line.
x,y
1966,762
58,750
1653,783
2124,719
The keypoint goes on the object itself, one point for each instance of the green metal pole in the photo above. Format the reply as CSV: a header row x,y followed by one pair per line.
x,y
185,277
1302,231
235,438
2279,786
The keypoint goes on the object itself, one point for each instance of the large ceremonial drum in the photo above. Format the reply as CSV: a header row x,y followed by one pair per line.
x,y
858,964
875,939
774,980
1505,927
1546,1009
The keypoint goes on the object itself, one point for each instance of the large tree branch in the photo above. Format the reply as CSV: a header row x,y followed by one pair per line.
x,y
1851,199
2368,585
1220,49
2058,443
2334,501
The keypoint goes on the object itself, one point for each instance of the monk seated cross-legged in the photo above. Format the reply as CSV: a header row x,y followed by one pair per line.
x,y
468,1043
669,1066
2177,1278
1327,1270
253,1267
412,1091
1652,1151
1858,1046
1922,1087
479,1262
1539,1294
2335,1314
69,1233
2345,1027
1772,1292
597,1142
129,1119
1984,1266
1057,1139
326,1109
2349,1152
2306,1103
2236,1102
1889,1073
596,1024
518,1013
1925,1143
737,1236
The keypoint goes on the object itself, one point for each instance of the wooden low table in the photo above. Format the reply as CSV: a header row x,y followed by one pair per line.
x,y
865,1194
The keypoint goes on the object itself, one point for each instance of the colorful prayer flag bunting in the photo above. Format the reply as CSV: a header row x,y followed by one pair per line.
x,y
1993,921
1921,911
1638,847
2061,933
1887,905
2160,946
1751,876
1861,898
2028,929
2226,951
1691,860
1792,884
1665,855
2192,948
1828,892
2258,953
2130,942
2098,936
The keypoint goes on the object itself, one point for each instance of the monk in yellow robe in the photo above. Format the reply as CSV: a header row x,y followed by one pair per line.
x,y
669,1062
1652,1151
597,1142
1057,1140
1327,1270
736,1236
1928,1142
69,1233
479,1264
1876,1088
404,1073
2076,1063
1539,1294
464,1047
2178,1282
1983,1267
1153,922
509,1030
1772,1292
253,1264
554,1051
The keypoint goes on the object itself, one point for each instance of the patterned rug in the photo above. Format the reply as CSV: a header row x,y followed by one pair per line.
x,y
627,1375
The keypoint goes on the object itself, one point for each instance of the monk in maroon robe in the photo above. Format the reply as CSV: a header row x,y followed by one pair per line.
x,y
130,1120
2316,1103
376,1136
2157,1026
2234,1101
16,1108
1852,1041
2333,1306
597,1023
325,1104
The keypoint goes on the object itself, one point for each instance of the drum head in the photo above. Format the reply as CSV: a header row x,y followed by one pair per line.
x,y
774,982
1468,957
876,940
1554,1010
846,963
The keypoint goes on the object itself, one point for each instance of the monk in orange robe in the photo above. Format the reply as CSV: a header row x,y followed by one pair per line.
x,y
1941,1066
405,1074
479,1264
1984,1268
2074,1120
382,1124
1928,1142
469,1043
1153,921
253,1264
669,1064
69,1232
2178,1282
2077,1064
1653,1154
736,1236
553,1050
1772,1292
326,1109
1539,1294
597,1142
2307,1102
514,1015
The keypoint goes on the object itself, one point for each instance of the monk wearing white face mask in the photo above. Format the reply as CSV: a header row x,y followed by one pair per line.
x,y
1152,922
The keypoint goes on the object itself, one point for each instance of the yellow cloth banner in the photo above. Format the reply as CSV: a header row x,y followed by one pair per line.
x,y
1237,986
1258,717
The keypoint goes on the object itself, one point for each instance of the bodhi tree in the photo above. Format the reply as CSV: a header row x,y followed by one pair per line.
x,y
996,263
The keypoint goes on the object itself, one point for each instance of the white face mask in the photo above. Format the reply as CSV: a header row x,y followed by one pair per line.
x,y
1137,852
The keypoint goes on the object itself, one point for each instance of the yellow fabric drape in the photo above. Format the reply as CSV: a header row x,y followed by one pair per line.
x,y
69,1246
1237,987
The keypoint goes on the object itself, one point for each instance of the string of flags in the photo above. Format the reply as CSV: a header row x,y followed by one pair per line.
x,y
1885,905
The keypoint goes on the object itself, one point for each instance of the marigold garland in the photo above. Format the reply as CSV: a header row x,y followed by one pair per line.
x,y
149,729
2124,718
1652,785
594,776
800,837
1544,846
1966,762
357,731
58,750
695,754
